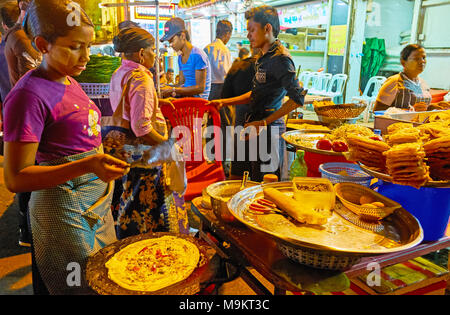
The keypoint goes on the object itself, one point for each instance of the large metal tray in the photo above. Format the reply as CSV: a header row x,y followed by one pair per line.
x,y
307,134
399,231
97,273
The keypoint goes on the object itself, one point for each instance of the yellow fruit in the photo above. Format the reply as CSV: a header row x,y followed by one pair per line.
x,y
368,205
366,199
378,204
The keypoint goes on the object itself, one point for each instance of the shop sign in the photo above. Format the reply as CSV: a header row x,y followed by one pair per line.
x,y
149,12
337,40
304,15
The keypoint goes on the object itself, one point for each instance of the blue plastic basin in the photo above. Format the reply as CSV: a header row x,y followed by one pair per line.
x,y
431,206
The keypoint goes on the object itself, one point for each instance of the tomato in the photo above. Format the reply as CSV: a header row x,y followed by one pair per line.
x,y
324,144
339,146
266,202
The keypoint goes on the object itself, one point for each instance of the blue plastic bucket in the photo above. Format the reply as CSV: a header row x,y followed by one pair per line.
x,y
431,206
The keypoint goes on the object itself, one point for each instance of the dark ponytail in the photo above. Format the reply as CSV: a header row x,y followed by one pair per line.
x,y
131,40
51,19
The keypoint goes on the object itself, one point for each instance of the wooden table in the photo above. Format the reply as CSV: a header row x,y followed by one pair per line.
x,y
251,249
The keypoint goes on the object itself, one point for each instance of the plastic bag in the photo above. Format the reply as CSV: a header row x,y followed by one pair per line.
x,y
144,156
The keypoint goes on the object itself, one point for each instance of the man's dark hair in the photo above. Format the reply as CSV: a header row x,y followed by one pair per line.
x,y
9,13
265,15
408,50
170,70
223,27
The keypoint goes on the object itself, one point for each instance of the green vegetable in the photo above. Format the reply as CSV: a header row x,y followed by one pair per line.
x,y
99,69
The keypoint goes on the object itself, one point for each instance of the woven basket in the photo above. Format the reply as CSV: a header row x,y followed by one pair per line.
x,y
95,89
349,194
355,173
318,259
342,111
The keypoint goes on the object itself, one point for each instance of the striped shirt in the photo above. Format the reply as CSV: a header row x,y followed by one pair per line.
x,y
220,60
401,92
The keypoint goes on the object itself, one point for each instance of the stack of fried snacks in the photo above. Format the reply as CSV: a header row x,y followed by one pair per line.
x,y
368,151
438,156
434,130
407,135
391,129
406,164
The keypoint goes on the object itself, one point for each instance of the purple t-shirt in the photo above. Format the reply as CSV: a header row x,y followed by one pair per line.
x,y
60,117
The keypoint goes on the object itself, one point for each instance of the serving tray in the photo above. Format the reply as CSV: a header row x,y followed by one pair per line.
x,y
397,232
308,135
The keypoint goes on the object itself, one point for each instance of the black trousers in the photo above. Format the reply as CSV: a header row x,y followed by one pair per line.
x,y
23,200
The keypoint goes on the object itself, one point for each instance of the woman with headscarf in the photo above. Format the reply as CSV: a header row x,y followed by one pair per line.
x,y
146,204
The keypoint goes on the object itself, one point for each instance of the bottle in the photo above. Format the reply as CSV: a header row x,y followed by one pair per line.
x,y
298,167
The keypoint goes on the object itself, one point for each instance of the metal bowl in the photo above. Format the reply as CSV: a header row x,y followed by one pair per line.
x,y
220,193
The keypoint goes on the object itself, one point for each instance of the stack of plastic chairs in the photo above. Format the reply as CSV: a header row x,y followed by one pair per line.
x,y
320,83
335,88
304,77
188,115
370,95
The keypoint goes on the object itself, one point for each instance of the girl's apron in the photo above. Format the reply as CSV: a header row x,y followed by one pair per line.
x,y
69,223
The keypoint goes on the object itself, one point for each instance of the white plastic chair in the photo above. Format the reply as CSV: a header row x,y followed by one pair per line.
x,y
304,77
335,88
320,83
370,93
310,81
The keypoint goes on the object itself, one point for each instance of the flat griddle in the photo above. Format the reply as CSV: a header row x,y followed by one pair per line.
x,y
97,273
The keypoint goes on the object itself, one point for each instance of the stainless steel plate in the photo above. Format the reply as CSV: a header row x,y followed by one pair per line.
x,y
400,230
307,136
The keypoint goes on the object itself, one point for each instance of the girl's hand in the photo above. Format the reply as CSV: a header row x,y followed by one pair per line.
x,y
108,168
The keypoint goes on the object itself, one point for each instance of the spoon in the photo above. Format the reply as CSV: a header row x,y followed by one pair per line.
x,y
244,180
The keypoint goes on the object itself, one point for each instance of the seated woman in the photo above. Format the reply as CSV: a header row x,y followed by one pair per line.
x,y
406,88
146,204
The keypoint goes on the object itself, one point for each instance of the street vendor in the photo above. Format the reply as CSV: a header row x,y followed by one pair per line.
x,y
406,88
49,119
275,78
146,204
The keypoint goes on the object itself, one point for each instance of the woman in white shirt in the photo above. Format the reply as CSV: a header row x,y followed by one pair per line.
x,y
406,88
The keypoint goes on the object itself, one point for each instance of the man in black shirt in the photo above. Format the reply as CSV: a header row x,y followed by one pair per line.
x,y
275,78
239,80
